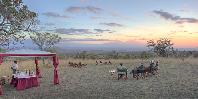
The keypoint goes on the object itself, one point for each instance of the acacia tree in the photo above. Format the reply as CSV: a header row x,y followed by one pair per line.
x,y
161,47
114,55
44,40
15,18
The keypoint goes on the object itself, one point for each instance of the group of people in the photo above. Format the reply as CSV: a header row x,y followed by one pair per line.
x,y
104,63
143,70
153,66
79,65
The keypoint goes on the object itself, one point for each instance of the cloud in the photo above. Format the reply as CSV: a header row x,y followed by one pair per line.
x,y
90,9
55,15
133,36
176,19
112,24
187,20
73,31
98,35
144,39
101,30
95,10
85,39
97,17
193,33
184,10
49,24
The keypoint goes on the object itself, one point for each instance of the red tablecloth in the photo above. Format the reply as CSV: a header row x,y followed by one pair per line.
x,y
1,90
24,83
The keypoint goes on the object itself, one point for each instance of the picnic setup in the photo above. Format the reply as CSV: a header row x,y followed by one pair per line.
x,y
22,80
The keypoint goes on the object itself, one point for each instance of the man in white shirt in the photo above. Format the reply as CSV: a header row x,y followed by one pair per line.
x,y
14,67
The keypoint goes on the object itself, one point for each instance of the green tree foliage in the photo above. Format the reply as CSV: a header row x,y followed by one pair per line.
x,y
144,55
195,54
52,50
83,54
114,55
45,40
2,50
15,18
162,47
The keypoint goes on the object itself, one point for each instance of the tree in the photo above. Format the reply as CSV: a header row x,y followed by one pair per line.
x,y
161,47
2,50
83,55
44,40
15,18
114,55
144,55
127,56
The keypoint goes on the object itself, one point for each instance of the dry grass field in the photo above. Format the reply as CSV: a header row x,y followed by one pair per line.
x,y
177,80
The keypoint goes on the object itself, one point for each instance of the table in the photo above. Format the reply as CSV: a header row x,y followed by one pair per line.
x,y
24,83
1,90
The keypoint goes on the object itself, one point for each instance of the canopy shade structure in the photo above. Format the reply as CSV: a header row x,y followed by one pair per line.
x,y
36,54
27,53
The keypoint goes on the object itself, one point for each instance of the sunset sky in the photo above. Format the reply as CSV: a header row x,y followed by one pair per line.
x,y
119,23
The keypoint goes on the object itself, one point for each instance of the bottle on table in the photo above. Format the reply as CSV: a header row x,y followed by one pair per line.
x,y
29,72
26,71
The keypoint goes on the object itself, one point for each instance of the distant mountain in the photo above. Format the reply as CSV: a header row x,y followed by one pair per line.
x,y
68,47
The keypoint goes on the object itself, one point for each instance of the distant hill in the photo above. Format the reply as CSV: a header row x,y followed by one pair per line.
x,y
72,48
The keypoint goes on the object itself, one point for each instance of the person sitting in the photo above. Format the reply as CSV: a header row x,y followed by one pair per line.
x,y
156,64
3,80
122,70
152,66
1,90
14,67
141,69
134,72
156,68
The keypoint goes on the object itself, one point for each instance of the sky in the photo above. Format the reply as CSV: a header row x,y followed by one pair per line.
x,y
118,23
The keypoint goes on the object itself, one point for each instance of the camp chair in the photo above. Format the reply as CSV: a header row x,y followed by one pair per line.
x,y
121,73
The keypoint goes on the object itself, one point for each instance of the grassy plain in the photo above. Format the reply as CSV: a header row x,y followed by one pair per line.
x,y
177,80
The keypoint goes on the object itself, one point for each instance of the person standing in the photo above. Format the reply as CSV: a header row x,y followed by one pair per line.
x,y
14,67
